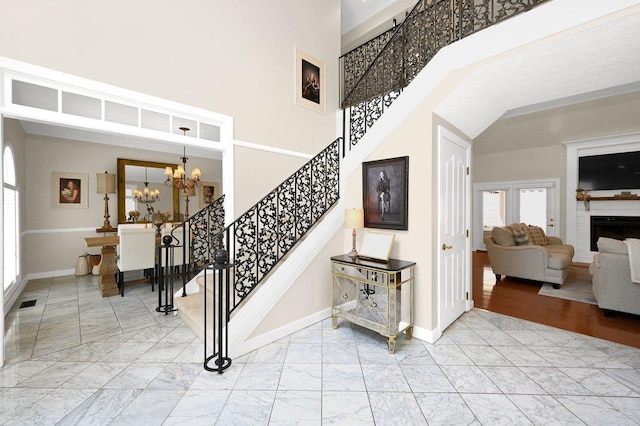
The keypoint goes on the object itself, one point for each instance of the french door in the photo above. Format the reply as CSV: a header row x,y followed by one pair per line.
x,y
501,203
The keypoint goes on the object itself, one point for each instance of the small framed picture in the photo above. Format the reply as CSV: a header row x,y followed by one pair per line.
x,y
209,192
385,193
376,245
70,190
310,81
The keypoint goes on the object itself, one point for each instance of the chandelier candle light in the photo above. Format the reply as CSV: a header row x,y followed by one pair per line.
x,y
178,178
354,218
147,196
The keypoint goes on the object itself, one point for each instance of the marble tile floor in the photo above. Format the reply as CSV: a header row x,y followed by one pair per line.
x,y
76,358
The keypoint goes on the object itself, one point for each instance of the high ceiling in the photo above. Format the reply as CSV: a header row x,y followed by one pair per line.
x,y
355,12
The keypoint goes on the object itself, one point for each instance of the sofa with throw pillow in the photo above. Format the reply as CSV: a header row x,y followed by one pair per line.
x,y
612,285
525,251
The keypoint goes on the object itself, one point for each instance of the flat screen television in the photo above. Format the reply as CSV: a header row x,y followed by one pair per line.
x,y
609,171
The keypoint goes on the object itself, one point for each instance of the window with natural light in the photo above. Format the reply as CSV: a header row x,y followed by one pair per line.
x,y
11,228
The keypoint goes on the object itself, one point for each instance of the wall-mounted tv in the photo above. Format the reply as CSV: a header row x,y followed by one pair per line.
x,y
609,171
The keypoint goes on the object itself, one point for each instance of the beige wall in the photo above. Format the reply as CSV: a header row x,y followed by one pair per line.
x,y
55,235
230,57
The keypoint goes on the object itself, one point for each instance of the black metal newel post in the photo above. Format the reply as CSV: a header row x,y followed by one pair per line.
x,y
166,281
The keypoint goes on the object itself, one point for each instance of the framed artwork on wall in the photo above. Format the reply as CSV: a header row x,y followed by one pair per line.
x,y
70,190
208,193
385,193
310,81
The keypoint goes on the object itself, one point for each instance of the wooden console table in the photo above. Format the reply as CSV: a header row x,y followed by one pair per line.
x,y
107,266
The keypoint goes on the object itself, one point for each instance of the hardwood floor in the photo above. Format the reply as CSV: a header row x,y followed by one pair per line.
x,y
520,299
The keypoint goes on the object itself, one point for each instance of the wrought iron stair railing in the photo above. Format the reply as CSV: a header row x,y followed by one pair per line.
x,y
371,85
259,238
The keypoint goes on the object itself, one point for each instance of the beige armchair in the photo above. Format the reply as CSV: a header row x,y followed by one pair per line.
x,y
537,257
612,285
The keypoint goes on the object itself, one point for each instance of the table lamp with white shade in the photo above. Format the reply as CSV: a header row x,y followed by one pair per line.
x,y
353,218
106,184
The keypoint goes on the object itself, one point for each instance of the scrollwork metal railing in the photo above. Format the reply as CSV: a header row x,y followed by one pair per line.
x,y
265,233
371,85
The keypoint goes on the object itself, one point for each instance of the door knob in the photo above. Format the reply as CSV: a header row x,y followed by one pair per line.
x,y
446,247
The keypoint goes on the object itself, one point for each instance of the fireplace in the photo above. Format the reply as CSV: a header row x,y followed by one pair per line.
x,y
618,227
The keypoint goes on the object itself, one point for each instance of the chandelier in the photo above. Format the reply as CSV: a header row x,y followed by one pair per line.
x,y
178,178
146,196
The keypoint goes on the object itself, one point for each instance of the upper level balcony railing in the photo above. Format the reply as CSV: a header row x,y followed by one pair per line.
x,y
391,61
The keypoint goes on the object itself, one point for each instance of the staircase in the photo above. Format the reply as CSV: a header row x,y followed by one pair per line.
x,y
271,243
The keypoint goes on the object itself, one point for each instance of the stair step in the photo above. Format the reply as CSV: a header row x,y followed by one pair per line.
x,y
191,310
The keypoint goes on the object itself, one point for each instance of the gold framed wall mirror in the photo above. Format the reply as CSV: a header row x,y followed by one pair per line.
x,y
133,174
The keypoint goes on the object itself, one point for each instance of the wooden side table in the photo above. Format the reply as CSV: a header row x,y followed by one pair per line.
x,y
107,266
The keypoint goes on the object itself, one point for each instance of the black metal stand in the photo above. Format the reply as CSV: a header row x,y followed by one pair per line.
x,y
165,280
221,274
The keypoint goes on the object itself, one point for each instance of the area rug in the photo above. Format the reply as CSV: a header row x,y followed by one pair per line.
x,y
577,287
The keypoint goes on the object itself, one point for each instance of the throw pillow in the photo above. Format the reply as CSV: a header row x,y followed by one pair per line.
x,y
520,237
502,236
537,236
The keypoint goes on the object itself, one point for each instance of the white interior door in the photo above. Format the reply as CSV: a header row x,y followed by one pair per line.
x,y
453,219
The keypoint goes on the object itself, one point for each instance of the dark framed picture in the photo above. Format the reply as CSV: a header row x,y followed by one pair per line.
x,y
69,190
310,81
385,193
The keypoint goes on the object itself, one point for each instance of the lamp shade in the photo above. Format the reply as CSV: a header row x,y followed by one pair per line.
x,y
106,183
354,218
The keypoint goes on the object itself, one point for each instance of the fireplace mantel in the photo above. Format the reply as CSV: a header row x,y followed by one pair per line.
x,y
577,222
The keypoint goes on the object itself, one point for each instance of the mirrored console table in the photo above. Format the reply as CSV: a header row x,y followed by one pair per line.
x,y
374,295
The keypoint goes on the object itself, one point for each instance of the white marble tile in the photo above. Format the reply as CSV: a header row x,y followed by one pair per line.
x,y
198,407
598,382
629,378
213,380
529,338
496,337
554,381
384,377
101,408
485,355
127,352
177,376
492,409
14,401
235,411
346,408
95,376
297,408
270,353
91,351
340,353
55,375
393,408
449,355
16,373
444,409
342,377
597,358
630,407
150,407
52,408
304,353
162,352
374,351
312,334
559,357
464,337
414,353
511,380
301,377
426,378
469,379
522,356
544,410
136,376
259,377
594,410
474,321
193,352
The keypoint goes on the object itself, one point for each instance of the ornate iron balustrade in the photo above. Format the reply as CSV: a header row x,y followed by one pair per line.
x,y
200,230
265,233
430,26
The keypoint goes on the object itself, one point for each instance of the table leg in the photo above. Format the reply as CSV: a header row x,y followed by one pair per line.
x,y
108,269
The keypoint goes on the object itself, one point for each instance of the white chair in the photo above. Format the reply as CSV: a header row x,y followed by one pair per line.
x,y
136,251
